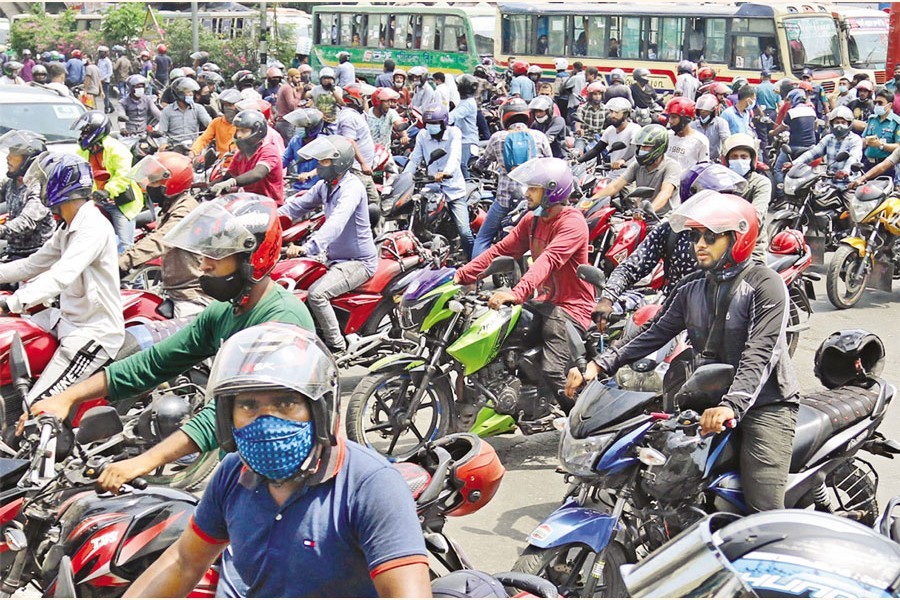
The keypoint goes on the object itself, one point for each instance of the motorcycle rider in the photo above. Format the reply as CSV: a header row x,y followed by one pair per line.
x,y
183,119
740,113
801,121
446,171
423,94
162,64
465,116
557,236
345,238
651,168
743,327
293,477
77,265
75,69
862,106
617,87
326,97
686,84
221,129
841,139
686,146
620,128
642,93
352,124
268,91
40,75
257,165
715,128
115,194
166,178
554,127
288,100
590,118
245,83
383,118
740,154
346,72
399,81
309,125
507,154
29,223
522,85
239,239
139,108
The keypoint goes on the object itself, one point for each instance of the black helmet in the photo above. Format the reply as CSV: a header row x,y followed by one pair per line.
x,y
256,123
22,143
94,125
466,85
243,79
848,356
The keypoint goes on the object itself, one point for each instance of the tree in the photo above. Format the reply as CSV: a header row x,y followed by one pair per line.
x,y
123,23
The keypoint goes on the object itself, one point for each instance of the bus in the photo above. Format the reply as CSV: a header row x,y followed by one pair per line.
x,y
729,37
442,38
864,39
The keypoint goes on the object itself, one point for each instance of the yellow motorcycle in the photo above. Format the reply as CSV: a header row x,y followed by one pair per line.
x,y
870,255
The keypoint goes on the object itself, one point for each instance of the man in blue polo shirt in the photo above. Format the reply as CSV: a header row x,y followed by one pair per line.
x,y
307,514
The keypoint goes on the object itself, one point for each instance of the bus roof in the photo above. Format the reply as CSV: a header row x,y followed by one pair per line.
x,y
843,11
393,9
601,7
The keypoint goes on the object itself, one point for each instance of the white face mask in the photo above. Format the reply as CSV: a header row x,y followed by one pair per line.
x,y
138,92
542,119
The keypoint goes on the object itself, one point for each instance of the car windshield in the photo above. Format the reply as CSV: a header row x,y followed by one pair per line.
x,y
868,49
813,42
50,120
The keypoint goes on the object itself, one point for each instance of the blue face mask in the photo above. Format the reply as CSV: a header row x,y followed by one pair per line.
x,y
433,128
880,110
741,166
275,448
189,100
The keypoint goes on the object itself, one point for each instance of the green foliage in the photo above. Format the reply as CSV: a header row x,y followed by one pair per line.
x,y
123,23
40,32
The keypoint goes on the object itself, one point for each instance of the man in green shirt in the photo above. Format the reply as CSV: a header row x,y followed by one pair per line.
x,y
239,239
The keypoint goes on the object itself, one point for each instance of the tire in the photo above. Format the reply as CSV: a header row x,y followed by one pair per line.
x,y
570,574
376,321
854,485
776,227
793,337
385,389
845,258
185,476
147,278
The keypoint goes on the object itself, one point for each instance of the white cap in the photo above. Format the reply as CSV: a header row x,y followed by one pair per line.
x,y
561,64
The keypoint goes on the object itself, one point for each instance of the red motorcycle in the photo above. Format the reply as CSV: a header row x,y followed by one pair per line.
x,y
791,257
615,229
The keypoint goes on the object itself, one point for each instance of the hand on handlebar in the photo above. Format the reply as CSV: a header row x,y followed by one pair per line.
x,y
498,299
786,167
714,420
855,184
293,251
117,474
575,378
601,313
54,405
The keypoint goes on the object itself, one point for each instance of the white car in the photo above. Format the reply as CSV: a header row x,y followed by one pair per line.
x,y
42,111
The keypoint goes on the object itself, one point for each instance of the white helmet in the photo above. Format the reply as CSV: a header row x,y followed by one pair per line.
x,y
561,64
841,112
619,105
418,72
617,74
326,72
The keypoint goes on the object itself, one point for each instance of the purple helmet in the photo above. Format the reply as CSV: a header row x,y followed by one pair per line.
x,y
436,114
552,174
70,178
711,176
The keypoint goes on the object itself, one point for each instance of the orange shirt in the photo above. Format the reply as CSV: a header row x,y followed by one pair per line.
x,y
219,130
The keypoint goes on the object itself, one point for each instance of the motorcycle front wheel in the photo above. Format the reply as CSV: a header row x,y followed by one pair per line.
x,y
842,284
569,567
375,414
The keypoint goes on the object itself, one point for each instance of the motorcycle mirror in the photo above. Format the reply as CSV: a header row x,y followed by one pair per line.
x,y
436,155
858,166
65,581
705,387
787,149
617,146
642,193
98,423
842,156
19,367
209,158
592,275
501,264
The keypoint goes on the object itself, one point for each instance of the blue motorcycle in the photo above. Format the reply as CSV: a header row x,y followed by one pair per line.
x,y
637,477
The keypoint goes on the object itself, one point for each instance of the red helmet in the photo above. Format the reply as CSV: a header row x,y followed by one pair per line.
x,y
353,96
721,213
681,106
384,94
170,168
274,73
76,53
265,108
719,89
162,49
806,86
597,86
788,242
706,73
520,67
514,108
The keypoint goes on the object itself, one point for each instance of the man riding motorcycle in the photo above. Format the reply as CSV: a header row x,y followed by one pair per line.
x,y
221,129
619,128
257,165
308,125
744,327
841,139
138,107
29,223
557,236
183,119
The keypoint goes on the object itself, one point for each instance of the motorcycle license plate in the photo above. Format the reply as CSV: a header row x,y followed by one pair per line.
x,y
817,246
882,277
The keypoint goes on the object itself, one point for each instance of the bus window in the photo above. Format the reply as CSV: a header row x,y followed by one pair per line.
x,y
551,35
376,31
597,34
628,43
414,35
428,34
516,32
452,35
813,42
695,40
715,40
346,29
580,35
401,31
327,29
671,36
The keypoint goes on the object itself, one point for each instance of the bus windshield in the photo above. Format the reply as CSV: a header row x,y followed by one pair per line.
x,y
868,49
813,42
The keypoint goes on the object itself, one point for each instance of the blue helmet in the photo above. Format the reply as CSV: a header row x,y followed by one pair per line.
x,y
70,178
436,114
94,125
796,97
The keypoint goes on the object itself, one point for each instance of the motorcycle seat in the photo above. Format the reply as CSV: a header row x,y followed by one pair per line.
x,y
385,272
825,413
779,263
417,477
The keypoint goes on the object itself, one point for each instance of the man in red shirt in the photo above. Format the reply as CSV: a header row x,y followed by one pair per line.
x,y
557,236
257,165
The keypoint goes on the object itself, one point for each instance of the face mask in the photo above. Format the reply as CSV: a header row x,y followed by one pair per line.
x,y
158,196
138,92
188,100
896,77
205,98
705,120
434,128
398,85
880,110
840,130
542,119
329,173
741,166
643,157
223,289
751,106
275,448
229,114
842,89
304,79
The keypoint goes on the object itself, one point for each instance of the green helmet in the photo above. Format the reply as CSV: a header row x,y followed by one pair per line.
x,y
651,135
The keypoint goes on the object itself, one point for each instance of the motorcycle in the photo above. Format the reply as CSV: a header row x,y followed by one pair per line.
x,y
615,228
871,250
638,476
475,369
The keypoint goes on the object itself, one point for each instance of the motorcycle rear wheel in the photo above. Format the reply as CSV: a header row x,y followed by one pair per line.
x,y
148,279
845,261
854,485
568,567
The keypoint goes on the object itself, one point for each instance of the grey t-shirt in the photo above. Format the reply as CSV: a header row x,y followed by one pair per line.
x,y
668,171
611,136
688,150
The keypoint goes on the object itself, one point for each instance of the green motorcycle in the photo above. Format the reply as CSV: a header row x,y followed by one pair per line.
x,y
475,369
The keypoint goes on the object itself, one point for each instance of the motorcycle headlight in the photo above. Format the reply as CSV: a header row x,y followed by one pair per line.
x,y
578,456
791,185
861,208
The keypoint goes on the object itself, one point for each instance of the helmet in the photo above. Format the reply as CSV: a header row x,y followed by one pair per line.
x,y
189,72
807,72
210,78
480,72
199,55
706,73
796,97
738,82
865,84
841,112
171,168
37,70
711,176
94,125
617,75
535,70
256,123
353,97
597,86
741,140
304,68
24,143
307,118
162,49
544,103
466,85
384,94
394,75
68,178
46,56
520,67
76,53
719,89
436,114
641,74
334,147
786,85
806,86
274,73
421,72
706,102
514,110
135,80
326,72
681,106
848,356
118,49
11,67
343,56
244,224
230,96
176,73
552,174
619,105
685,66
788,242
560,64
651,135
243,77
185,85
293,359
720,213
102,49
145,54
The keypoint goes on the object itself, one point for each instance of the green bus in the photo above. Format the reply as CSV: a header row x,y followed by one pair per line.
x,y
451,40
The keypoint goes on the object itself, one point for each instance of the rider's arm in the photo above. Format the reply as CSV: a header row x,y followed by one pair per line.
x,y
205,138
26,268
813,153
666,190
886,165
202,116
33,213
163,125
491,152
117,160
454,157
621,181
269,160
416,157
151,246
639,264
570,235
295,206
759,194
515,244
351,194
153,109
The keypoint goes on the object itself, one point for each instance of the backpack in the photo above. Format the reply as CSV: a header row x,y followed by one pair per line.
x,y
518,148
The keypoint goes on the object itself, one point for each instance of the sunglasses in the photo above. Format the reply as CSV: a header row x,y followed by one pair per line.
x,y
709,237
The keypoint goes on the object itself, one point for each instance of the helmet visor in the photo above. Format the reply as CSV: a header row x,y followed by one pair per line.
x,y
39,172
705,210
532,174
210,230
320,148
721,179
270,356
149,171
20,142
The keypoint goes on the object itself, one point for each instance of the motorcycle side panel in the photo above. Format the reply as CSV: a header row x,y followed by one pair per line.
x,y
728,487
302,271
140,307
573,524
621,454
396,362
39,345
626,240
479,344
359,307
488,423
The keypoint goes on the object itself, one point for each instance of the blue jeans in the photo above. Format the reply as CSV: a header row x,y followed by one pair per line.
x,y
466,156
122,225
459,210
779,174
490,227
